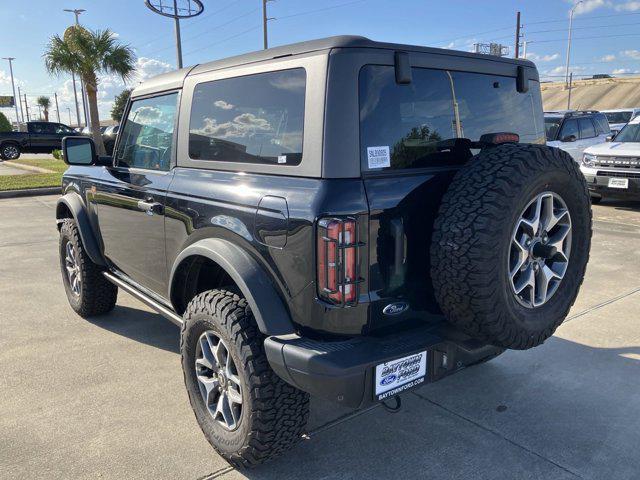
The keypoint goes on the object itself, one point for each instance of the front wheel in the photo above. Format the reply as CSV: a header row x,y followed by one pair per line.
x,y
246,412
88,292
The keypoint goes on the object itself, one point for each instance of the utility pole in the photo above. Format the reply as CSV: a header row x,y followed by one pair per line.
x,y
26,107
55,95
517,49
265,20
570,85
566,73
77,12
69,112
13,85
20,102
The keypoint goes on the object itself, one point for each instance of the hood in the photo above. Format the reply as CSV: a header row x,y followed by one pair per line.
x,y
622,149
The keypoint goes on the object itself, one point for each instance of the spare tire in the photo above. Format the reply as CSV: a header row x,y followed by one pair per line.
x,y
511,244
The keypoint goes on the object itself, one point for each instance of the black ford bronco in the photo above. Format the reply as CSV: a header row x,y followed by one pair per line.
x,y
340,217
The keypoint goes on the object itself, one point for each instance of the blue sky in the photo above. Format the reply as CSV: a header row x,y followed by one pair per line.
x,y
606,33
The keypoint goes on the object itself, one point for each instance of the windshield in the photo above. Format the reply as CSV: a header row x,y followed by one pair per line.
x,y
618,117
630,133
551,127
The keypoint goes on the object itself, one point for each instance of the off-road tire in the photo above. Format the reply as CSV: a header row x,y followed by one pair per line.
x,y
6,146
274,414
472,237
97,295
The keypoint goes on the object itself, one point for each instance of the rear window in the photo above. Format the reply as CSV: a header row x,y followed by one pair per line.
x,y
252,119
414,125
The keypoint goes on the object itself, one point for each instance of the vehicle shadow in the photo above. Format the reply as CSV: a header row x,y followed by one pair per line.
x,y
561,410
623,205
142,326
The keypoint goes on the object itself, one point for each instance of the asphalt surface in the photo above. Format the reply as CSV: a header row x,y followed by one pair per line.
x,y
105,398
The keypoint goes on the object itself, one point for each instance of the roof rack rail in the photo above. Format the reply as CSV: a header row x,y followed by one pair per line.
x,y
580,112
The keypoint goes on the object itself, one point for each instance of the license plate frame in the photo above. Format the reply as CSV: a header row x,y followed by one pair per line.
x,y
400,374
615,182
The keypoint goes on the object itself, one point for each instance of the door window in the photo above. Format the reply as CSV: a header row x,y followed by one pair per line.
x,y
253,119
148,133
62,129
587,130
570,128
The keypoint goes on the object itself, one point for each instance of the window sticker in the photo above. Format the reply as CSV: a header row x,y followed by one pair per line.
x,y
378,157
282,159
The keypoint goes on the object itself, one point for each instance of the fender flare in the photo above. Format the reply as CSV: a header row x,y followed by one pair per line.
x,y
266,305
74,203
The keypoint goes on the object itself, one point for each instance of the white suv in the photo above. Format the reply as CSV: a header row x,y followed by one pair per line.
x,y
573,131
612,169
619,117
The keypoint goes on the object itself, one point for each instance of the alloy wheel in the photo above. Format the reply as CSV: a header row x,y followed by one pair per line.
x,y
218,380
540,249
72,267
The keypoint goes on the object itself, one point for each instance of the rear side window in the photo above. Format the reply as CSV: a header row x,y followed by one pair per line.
x,y
251,119
415,125
587,130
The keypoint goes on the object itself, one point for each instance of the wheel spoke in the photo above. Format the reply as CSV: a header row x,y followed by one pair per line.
x,y
234,396
527,279
207,354
522,255
208,385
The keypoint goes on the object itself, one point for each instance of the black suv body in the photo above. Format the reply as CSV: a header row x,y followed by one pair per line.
x,y
307,179
40,137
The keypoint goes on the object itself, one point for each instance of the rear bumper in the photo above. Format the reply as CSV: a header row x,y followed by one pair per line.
x,y
344,371
598,183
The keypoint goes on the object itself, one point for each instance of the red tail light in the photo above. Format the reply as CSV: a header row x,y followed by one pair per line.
x,y
338,260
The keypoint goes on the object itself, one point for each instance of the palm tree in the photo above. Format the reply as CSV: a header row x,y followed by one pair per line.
x,y
45,103
88,53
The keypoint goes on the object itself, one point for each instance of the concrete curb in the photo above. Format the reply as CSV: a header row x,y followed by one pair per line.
x,y
29,168
30,192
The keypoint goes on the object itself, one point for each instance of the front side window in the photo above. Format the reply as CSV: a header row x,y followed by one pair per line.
x,y
570,129
416,125
63,129
147,135
629,133
252,119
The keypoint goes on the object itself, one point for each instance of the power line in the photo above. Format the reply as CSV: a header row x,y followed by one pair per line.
x,y
224,40
317,10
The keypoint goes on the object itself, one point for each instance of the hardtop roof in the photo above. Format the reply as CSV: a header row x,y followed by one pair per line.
x,y
171,80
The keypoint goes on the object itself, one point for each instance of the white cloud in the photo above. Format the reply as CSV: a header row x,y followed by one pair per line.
x,y
589,5
542,58
634,54
223,105
241,126
621,71
632,6
556,71
608,58
149,67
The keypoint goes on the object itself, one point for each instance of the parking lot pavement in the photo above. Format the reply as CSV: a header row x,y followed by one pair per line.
x,y
104,398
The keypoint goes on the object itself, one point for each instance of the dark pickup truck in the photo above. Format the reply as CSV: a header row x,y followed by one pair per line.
x,y
40,137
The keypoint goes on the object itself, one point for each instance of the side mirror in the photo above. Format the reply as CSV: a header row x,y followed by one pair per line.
x,y
569,138
79,151
609,138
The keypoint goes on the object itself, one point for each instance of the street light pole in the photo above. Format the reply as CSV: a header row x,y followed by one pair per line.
x,y
13,85
178,39
55,95
571,12
20,102
69,112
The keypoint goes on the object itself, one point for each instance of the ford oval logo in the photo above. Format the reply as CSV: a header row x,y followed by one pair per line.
x,y
395,308
388,379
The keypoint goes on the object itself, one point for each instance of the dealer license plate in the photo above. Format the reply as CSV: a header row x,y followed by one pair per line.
x,y
618,183
399,375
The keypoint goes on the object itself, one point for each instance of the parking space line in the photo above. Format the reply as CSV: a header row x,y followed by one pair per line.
x,y
602,304
217,473
498,434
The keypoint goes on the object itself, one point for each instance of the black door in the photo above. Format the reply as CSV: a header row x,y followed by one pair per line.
x,y
131,195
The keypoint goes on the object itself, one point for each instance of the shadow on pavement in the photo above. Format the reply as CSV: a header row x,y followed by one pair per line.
x,y
142,326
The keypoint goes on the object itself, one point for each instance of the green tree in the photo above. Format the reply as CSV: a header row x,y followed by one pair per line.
x,y
5,124
119,103
45,103
88,53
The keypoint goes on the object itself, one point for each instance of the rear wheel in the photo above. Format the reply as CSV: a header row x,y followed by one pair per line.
x,y
88,292
511,244
247,413
10,151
